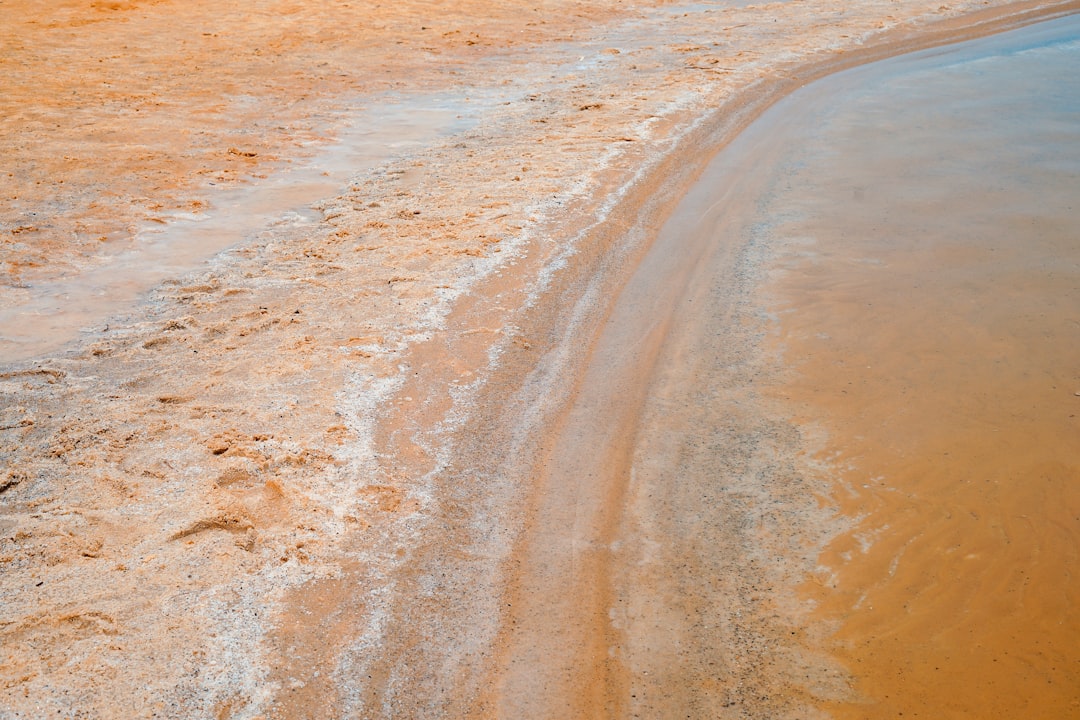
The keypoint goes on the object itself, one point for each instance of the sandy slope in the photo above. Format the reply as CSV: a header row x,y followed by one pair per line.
x,y
298,482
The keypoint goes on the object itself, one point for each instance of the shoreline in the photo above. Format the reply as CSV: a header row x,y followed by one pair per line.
x,y
597,696
255,486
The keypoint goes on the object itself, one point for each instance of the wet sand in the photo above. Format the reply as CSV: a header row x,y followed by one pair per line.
x,y
311,477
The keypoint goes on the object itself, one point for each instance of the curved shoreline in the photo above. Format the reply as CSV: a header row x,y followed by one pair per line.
x,y
604,689
302,480
894,309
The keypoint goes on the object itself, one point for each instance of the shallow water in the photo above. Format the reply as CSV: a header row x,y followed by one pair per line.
x,y
50,314
924,236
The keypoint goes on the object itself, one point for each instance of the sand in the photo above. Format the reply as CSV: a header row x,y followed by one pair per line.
x,y
307,478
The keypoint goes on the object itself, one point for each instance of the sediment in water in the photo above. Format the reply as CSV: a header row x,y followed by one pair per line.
x,y
924,279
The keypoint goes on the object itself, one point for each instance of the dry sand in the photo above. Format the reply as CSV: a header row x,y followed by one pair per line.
x,y
307,479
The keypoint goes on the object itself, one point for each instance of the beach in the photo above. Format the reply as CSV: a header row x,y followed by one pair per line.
x,y
923,280
343,461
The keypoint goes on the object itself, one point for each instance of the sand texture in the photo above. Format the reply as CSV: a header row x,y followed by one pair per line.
x,y
315,474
